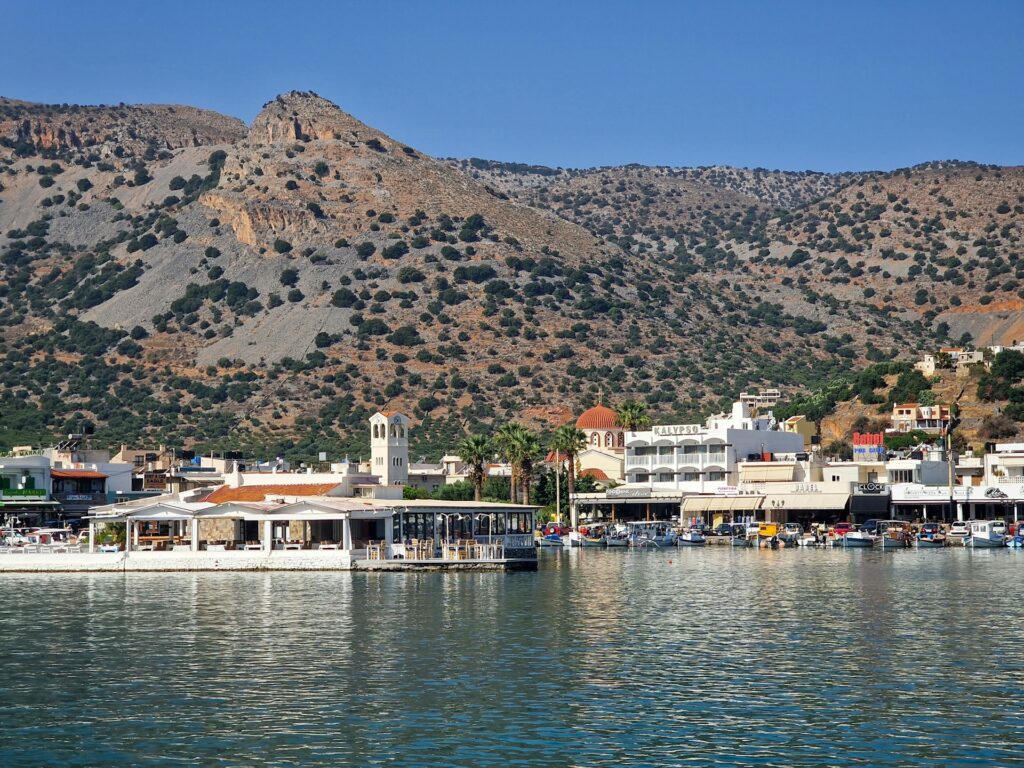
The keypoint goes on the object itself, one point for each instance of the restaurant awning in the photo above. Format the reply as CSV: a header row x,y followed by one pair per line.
x,y
808,501
697,504
767,473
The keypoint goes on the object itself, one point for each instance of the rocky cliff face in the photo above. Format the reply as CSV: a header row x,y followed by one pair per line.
x,y
132,128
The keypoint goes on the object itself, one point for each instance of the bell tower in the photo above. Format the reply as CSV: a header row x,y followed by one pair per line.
x,y
389,447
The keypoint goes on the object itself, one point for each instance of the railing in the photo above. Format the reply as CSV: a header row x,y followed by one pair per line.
x,y
1010,480
518,540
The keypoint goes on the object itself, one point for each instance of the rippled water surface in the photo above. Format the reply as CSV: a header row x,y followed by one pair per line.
x,y
713,656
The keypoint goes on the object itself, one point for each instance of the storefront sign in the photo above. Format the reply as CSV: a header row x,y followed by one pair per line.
x,y
627,493
670,430
15,493
871,488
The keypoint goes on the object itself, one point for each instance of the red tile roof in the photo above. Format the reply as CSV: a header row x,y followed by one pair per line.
x,y
260,492
77,474
594,472
598,417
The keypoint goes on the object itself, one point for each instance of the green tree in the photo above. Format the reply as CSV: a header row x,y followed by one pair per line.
x,y
632,415
568,442
475,451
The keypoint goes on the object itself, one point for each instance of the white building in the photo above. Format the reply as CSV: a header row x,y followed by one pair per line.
x,y
389,447
669,462
1005,465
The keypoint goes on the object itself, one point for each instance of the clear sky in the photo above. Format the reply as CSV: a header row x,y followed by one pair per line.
x,y
818,85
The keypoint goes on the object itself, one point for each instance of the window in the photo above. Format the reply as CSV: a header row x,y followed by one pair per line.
x,y
835,478
595,439
691,477
622,439
902,475
608,439
643,478
716,477
665,477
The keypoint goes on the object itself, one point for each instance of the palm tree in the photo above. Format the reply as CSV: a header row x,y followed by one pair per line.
x,y
475,450
528,449
507,440
632,415
569,441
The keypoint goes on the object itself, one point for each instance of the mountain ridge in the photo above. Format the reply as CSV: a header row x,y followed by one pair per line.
x,y
274,283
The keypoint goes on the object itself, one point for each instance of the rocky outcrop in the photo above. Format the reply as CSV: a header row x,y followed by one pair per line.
x,y
134,128
305,116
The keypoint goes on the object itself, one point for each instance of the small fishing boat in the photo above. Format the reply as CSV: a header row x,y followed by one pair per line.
x,y
894,534
691,538
791,533
741,541
855,540
552,535
930,537
768,535
617,536
983,536
651,534
587,536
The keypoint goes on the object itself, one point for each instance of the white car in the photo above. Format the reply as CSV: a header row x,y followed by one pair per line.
x,y
999,526
960,528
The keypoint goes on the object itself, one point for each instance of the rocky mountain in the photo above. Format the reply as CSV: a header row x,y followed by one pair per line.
x,y
169,274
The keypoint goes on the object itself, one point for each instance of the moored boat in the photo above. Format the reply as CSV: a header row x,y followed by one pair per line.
x,y
651,534
930,537
791,533
691,538
894,534
855,540
983,536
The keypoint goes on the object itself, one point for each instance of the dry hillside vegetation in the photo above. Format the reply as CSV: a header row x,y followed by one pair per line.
x,y
169,274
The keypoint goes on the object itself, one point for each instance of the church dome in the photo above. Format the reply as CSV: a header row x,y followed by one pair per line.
x,y
598,417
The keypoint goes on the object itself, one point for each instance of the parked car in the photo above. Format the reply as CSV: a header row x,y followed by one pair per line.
x,y
960,528
870,526
724,529
842,528
930,528
999,526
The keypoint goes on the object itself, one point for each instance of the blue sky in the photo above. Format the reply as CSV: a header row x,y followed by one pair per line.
x,y
793,85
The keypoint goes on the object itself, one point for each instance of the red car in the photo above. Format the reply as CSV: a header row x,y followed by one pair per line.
x,y
841,529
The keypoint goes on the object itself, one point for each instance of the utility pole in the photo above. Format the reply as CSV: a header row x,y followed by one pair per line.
x,y
954,421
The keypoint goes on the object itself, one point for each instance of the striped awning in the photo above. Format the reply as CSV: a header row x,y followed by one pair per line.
x,y
767,473
807,501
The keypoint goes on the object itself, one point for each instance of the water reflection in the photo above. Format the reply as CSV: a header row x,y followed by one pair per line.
x,y
715,656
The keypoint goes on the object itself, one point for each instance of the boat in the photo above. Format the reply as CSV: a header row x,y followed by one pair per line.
x,y
587,536
651,534
741,541
894,534
983,536
930,537
790,534
691,538
768,535
552,535
617,536
855,540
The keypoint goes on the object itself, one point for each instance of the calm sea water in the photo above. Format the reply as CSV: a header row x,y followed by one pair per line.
x,y
601,658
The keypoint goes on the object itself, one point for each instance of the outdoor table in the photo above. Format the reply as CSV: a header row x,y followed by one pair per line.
x,y
216,548
109,548
292,545
399,550
328,546
251,547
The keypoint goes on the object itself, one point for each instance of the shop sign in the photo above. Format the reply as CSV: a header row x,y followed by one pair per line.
x,y
627,493
23,492
670,430
871,488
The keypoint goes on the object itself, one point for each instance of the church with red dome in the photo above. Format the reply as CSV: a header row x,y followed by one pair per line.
x,y
598,424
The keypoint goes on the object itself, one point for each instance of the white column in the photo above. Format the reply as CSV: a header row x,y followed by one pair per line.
x,y
194,546
346,533
127,535
389,529
268,535
92,536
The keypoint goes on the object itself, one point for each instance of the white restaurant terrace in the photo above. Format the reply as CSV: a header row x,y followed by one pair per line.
x,y
346,528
